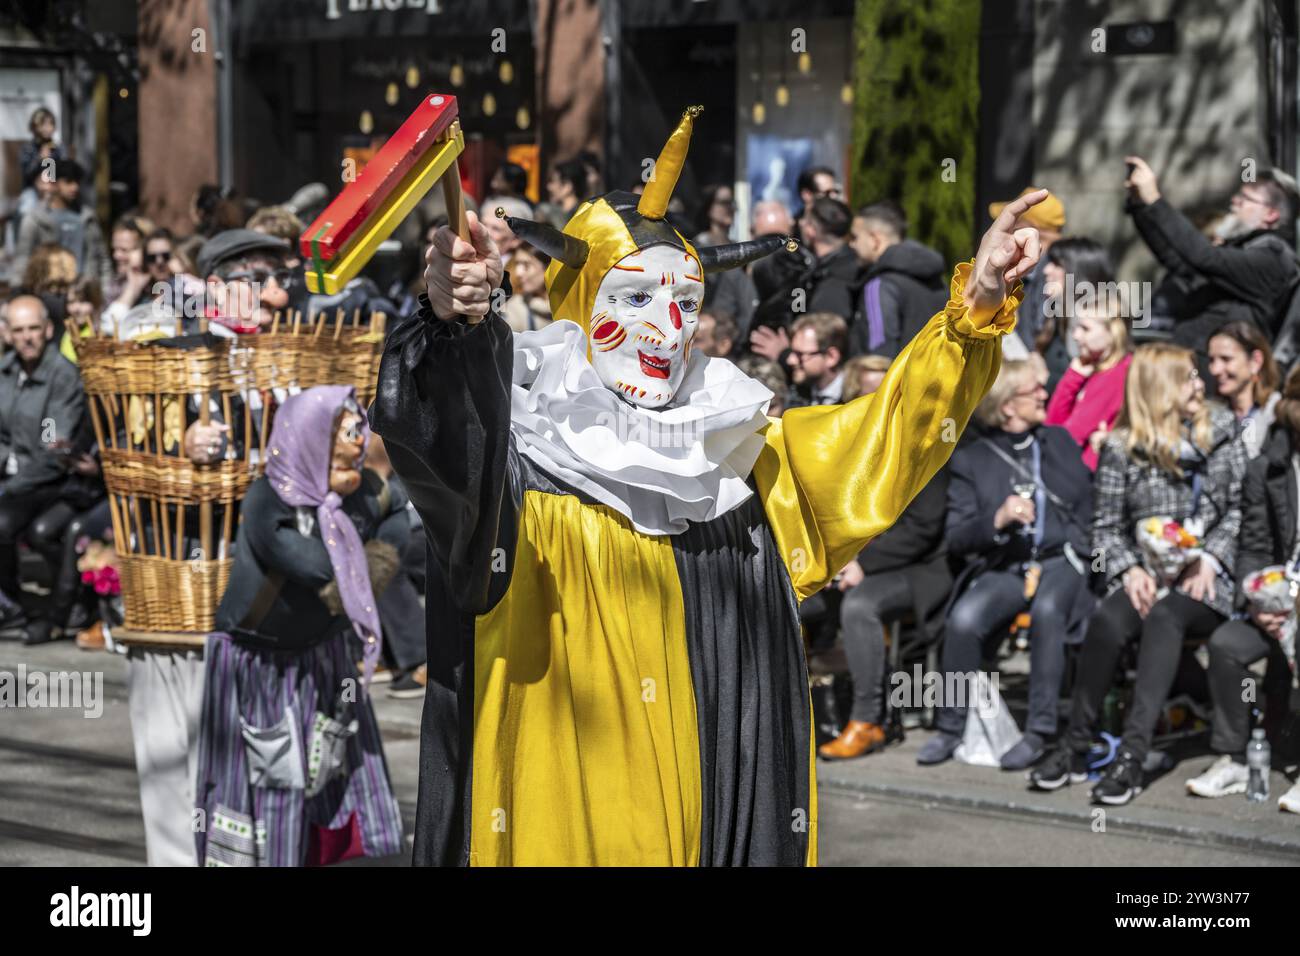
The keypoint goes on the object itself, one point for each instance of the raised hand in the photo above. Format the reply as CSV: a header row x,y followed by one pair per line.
x,y
1141,181
769,343
460,275
1005,255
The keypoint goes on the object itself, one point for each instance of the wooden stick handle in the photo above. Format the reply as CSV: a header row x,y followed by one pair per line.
x,y
455,201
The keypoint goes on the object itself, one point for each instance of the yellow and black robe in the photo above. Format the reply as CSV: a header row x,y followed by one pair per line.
x,y
600,696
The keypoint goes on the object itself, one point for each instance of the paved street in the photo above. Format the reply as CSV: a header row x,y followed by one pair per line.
x,y
68,795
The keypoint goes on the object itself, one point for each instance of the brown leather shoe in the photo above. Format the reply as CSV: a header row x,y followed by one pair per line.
x,y
92,638
857,739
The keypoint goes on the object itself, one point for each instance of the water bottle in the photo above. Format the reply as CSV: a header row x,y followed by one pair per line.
x,y
1257,761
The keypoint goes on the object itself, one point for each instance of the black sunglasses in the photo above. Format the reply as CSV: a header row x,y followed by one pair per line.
x,y
283,277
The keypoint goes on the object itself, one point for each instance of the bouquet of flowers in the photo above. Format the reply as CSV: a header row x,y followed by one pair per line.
x,y
98,567
1169,547
1273,591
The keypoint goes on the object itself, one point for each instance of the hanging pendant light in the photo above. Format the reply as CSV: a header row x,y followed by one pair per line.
x,y
805,62
489,104
782,93
457,75
390,94
412,77
506,71
758,113
846,91
367,122
522,117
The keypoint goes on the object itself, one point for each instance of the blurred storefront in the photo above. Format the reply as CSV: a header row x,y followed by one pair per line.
x,y
315,82
263,96
77,59
770,75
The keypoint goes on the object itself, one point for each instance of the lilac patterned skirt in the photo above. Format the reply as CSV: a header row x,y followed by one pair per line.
x,y
291,765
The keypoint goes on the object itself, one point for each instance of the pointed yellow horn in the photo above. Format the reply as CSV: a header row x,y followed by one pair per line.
x,y
654,201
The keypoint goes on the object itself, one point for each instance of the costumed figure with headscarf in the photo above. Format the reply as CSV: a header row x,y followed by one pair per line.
x,y
291,766
622,537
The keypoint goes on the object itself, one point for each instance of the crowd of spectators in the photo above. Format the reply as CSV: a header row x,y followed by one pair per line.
x,y
1038,529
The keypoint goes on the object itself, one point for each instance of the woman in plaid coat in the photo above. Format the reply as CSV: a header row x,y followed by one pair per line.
x,y
1170,474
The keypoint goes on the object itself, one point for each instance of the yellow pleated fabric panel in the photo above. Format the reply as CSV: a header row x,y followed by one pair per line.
x,y
832,477
586,749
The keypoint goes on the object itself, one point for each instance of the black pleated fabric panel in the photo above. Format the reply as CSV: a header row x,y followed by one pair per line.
x,y
751,691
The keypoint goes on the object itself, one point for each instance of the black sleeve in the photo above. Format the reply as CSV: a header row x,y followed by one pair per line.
x,y
1147,221
832,295
891,316
443,409
1247,272
891,310
1077,487
1255,546
29,159
917,533
969,526
270,530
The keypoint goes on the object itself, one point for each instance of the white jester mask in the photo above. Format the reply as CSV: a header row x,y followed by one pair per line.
x,y
634,283
646,313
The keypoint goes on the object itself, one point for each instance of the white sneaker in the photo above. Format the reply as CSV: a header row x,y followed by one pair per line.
x,y
1291,799
1223,778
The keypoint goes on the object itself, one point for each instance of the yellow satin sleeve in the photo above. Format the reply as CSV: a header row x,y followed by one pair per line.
x,y
832,477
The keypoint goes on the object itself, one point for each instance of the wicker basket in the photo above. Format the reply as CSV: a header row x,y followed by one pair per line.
x,y
139,396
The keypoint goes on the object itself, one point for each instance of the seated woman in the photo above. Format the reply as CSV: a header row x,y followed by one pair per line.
x,y
1246,378
1167,516
1270,539
1019,503
291,767
1087,400
904,570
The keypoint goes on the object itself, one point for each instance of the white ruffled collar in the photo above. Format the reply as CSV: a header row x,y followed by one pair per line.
x,y
659,467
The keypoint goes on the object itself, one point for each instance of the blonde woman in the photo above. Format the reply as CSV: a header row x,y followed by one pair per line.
x,y
1172,456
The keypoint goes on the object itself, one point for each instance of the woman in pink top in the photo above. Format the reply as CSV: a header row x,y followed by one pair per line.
x,y
1088,397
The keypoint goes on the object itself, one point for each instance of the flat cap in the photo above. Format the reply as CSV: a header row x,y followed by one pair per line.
x,y
232,244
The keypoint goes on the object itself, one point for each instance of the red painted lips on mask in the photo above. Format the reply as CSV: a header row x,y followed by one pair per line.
x,y
653,366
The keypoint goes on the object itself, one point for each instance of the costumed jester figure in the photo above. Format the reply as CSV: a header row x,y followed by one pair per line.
x,y
619,538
